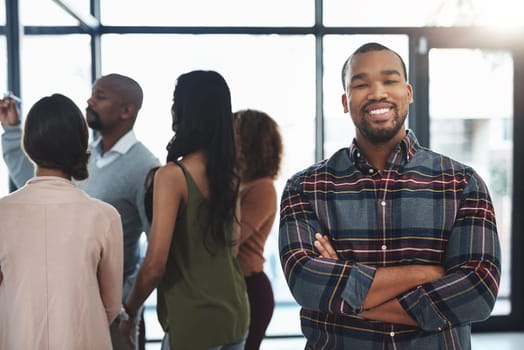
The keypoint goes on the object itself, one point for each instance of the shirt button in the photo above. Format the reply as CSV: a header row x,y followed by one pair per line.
x,y
371,170
392,334
383,203
358,154
439,329
384,247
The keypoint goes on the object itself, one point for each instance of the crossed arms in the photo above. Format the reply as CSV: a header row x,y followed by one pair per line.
x,y
461,290
380,302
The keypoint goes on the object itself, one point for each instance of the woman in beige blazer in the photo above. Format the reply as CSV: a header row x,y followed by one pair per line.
x,y
60,250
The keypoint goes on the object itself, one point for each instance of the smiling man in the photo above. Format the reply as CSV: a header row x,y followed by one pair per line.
x,y
386,244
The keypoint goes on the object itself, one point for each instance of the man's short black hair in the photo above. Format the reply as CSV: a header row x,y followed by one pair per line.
x,y
367,48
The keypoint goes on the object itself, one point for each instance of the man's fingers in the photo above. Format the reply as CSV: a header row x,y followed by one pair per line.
x,y
324,247
322,251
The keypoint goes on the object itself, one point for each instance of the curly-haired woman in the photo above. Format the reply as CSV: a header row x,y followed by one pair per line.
x,y
259,155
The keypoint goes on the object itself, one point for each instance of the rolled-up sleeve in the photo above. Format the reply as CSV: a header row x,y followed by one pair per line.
x,y
358,285
20,167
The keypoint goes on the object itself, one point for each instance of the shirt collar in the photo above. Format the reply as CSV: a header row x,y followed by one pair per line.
x,y
408,146
121,146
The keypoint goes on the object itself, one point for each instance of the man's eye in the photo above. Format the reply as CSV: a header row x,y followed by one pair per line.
x,y
390,82
360,86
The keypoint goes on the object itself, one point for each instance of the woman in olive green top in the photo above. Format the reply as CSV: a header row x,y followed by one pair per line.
x,y
202,299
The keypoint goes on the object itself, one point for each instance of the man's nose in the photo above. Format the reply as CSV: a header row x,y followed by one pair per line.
x,y
377,92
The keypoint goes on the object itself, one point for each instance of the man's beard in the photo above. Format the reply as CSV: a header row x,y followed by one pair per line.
x,y
377,135
94,123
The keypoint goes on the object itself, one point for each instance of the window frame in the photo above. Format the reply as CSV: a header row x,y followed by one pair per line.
x,y
419,40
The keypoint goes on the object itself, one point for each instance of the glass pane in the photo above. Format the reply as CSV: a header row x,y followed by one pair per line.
x,y
416,13
55,64
473,123
50,64
2,13
208,13
338,126
283,85
48,12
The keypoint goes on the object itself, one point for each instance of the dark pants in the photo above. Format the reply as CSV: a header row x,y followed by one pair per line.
x,y
262,303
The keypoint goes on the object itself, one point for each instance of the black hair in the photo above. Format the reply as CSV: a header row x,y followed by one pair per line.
x,y
56,136
367,48
203,120
148,193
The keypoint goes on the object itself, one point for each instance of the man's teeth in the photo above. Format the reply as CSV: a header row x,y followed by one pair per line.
x,y
379,111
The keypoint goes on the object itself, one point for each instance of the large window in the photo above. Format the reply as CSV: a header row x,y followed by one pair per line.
x,y
55,64
208,13
473,123
415,13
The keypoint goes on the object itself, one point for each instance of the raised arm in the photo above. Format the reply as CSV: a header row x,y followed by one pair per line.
x,y
20,167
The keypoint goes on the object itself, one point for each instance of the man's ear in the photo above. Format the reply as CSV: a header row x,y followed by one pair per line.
x,y
345,103
128,111
410,93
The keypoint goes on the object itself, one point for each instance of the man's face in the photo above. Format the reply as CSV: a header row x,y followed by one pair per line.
x,y
377,96
104,107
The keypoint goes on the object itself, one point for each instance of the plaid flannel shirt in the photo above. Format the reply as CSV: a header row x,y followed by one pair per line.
x,y
424,208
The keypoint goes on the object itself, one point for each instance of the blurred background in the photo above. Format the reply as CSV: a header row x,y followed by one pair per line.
x,y
465,60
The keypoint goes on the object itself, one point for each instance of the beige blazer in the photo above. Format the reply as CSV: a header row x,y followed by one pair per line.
x,y
61,260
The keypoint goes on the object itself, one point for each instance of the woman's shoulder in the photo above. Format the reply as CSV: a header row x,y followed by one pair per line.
x,y
99,207
170,178
169,171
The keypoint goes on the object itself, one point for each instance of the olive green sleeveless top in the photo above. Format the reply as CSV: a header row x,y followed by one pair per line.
x,y
202,299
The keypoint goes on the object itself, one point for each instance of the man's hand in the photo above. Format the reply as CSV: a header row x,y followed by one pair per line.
x,y
8,112
324,247
128,331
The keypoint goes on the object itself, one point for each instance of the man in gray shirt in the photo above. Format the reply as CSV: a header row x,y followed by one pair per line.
x,y
117,167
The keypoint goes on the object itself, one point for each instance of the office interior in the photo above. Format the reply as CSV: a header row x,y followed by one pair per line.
x,y
465,60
